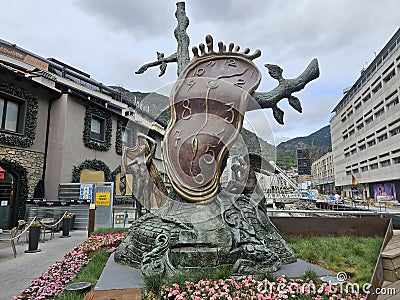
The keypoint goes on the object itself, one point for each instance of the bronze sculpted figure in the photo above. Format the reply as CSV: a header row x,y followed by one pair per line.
x,y
141,157
145,172
201,224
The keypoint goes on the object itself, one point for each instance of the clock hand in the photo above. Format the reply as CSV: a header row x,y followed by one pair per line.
x,y
194,140
212,84
233,75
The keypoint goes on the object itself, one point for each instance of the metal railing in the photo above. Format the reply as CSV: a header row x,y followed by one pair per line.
x,y
277,212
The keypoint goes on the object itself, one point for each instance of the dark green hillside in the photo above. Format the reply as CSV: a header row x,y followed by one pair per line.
x,y
317,143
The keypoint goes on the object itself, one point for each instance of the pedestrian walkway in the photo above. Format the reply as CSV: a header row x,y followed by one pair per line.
x,y
18,273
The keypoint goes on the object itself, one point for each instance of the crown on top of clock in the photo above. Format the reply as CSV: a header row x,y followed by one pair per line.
x,y
222,49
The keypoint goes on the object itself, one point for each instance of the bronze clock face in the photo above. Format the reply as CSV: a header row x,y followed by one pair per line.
x,y
207,107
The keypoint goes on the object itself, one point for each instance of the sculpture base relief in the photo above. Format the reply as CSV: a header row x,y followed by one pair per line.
x,y
232,231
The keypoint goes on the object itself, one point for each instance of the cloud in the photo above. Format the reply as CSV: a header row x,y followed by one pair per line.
x,y
138,18
111,39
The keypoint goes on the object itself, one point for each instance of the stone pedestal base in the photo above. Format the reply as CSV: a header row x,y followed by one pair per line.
x,y
232,230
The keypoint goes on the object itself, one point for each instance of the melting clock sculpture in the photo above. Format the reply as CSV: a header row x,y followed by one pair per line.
x,y
201,224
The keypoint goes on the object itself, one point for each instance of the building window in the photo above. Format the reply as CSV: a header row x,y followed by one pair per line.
x,y
369,120
362,147
359,126
379,112
389,76
18,116
396,160
371,143
382,137
385,163
373,166
377,88
364,169
97,126
366,98
97,130
392,103
353,151
395,131
127,137
348,172
12,115
358,105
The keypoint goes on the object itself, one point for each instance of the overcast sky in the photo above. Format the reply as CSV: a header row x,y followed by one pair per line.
x,y
110,39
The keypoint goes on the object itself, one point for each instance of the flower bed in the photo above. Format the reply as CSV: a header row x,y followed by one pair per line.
x,y
52,282
247,287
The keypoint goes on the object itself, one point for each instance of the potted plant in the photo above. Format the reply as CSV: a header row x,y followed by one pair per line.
x,y
67,224
34,236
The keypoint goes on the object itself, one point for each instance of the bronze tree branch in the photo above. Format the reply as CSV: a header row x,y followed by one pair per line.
x,y
284,89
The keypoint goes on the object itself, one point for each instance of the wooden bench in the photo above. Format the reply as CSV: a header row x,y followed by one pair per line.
x,y
391,258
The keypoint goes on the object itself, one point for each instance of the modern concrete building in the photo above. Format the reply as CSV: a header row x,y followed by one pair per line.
x,y
322,171
56,121
365,130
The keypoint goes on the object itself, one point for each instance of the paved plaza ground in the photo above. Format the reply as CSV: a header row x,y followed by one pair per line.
x,y
18,273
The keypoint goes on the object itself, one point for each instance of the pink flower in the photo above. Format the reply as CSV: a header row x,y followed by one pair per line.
x,y
51,283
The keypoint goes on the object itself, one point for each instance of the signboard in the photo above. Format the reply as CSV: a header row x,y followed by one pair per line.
x,y
103,198
385,191
26,58
104,205
86,191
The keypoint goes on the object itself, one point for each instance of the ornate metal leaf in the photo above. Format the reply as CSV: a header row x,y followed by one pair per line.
x,y
295,103
278,114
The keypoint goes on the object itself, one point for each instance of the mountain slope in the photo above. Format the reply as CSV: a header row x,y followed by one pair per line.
x,y
155,104
317,143
320,138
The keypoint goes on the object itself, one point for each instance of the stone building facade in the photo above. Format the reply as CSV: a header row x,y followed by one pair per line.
x,y
54,120
32,161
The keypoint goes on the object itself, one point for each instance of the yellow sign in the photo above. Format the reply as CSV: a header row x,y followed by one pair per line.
x,y
103,198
